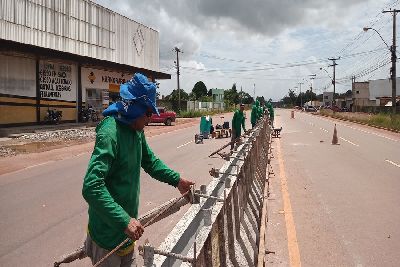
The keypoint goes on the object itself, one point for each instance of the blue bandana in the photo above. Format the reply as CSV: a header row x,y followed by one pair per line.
x,y
138,94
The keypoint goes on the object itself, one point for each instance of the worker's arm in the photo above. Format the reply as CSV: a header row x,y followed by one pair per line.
x,y
156,168
94,189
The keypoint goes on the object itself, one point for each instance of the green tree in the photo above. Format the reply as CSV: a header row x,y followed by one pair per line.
x,y
174,96
246,98
290,99
199,90
231,96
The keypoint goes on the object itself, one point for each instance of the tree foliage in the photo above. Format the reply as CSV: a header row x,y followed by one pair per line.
x,y
231,96
174,96
199,90
245,98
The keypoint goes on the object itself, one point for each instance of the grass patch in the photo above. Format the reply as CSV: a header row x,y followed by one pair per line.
x,y
380,120
198,113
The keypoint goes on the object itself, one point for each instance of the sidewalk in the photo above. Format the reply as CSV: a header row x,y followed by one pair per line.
x,y
17,131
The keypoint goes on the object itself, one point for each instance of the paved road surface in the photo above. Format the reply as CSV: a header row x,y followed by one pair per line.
x,y
44,216
345,199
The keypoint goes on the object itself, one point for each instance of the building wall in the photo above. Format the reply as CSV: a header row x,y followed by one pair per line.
x,y
327,98
360,90
382,88
55,54
80,27
17,89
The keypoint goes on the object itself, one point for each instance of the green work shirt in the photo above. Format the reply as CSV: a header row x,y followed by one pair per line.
x,y
270,110
112,183
253,116
238,122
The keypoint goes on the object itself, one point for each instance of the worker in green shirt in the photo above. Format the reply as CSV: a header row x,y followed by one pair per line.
x,y
254,116
237,124
111,185
271,112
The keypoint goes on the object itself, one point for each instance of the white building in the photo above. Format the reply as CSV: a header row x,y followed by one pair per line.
x,y
67,54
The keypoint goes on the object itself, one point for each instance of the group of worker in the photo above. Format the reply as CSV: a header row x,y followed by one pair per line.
x,y
258,111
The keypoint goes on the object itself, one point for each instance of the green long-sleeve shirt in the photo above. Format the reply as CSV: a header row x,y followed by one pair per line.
x,y
238,122
112,182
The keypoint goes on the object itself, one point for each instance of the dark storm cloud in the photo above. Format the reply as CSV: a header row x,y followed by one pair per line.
x,y
185,23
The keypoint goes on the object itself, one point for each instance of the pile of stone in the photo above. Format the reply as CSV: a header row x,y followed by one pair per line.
x,y
61,135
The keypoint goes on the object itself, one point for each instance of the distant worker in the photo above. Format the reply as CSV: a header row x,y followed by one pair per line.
x,y
270,112
237,124
255,114
112,182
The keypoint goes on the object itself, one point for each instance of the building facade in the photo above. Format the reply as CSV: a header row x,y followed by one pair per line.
x,y
67,55
327,98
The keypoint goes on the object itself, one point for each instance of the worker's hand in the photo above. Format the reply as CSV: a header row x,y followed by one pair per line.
x,y
134,229
184,185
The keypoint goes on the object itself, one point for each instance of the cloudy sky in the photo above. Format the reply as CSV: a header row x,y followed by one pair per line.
x,y
267,44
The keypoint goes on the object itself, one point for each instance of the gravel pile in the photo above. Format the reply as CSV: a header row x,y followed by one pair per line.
x,y
6,152
61,135
30,141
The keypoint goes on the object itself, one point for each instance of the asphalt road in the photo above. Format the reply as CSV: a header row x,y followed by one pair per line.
x,y
345,199
44,216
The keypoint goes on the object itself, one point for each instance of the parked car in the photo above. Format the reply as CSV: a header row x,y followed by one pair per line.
x,y
166,117
311,109
345,109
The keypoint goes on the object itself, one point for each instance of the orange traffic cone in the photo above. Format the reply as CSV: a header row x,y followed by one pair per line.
x,y
335,140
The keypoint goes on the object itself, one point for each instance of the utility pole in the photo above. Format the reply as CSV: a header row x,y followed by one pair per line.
x,y
312,77
254,89
334,77
393,50
241,94
177,50
301,96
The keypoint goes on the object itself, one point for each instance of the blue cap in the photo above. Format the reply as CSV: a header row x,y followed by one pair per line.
x,y
139,88
138,94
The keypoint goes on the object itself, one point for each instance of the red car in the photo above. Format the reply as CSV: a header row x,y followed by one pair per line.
x,y
166,117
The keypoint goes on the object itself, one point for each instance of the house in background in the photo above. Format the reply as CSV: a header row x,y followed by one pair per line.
x,y
381,91
373,93
327,98
218,98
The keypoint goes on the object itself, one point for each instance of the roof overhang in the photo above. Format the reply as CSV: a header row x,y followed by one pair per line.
x,y
46,53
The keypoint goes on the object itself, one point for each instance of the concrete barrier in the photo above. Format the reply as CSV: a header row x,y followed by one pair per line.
x,y
223,230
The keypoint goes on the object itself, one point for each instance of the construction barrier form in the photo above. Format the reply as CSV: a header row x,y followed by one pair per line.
x,y
222,227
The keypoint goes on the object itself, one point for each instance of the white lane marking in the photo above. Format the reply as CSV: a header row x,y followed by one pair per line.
x,y
184,144
324,130
391,162
361,130
40,164
348,141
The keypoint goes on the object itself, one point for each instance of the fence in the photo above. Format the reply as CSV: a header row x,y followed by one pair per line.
x,y
223,228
